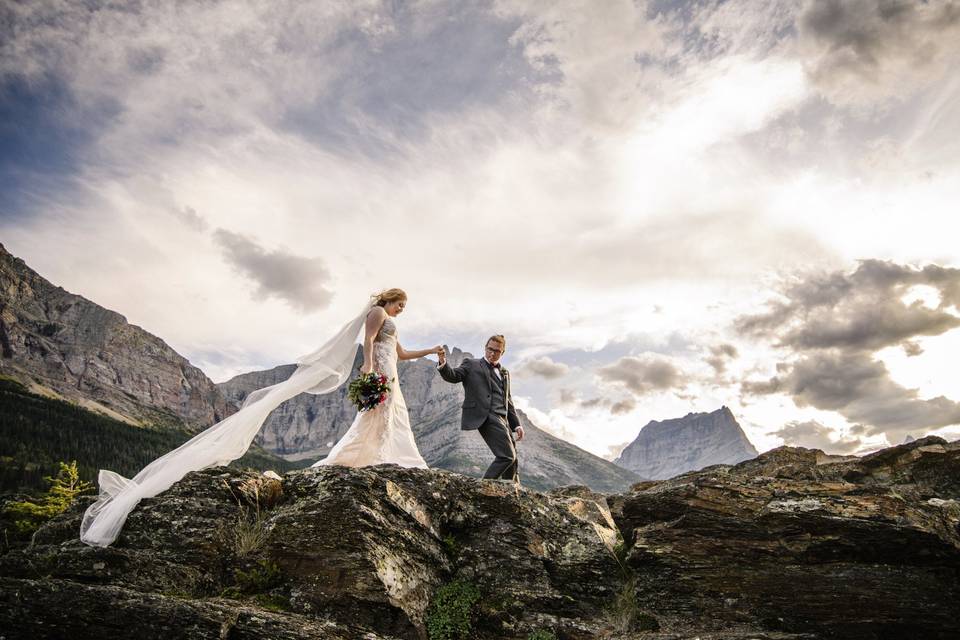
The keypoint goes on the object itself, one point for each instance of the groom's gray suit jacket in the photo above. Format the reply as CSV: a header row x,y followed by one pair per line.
x,y
480,389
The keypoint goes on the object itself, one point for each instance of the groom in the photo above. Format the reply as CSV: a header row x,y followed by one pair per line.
x,y
488,406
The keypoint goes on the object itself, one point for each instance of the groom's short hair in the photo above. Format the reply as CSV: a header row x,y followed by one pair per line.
x,y
499,339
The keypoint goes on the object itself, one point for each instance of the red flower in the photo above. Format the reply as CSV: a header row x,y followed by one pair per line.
x,y
383,379
383,397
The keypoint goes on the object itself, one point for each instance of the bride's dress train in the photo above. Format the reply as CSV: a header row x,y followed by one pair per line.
x,y
383,434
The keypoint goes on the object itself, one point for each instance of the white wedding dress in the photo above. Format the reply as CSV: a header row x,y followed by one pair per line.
x,y
380,435
383,434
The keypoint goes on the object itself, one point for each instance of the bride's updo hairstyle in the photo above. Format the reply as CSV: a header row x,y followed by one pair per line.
x,y
389,295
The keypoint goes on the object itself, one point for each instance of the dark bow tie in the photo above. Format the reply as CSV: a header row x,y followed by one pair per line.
x,y
494,366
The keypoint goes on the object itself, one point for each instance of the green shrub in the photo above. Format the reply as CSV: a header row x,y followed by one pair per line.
x,y
260,579
451,547
542,634
29,514
272,602
453,610
624,612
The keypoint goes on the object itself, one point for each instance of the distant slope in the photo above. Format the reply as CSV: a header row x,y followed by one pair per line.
x,y
64,345
37,432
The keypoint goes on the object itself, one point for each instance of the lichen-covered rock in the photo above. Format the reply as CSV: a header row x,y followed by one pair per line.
x,y
52,608
365,548
796,540
794,545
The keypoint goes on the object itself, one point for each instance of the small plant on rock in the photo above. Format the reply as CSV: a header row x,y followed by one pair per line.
x,y
624,609
451,547
260,579
542,634
248,534
28,515
624,612
452,612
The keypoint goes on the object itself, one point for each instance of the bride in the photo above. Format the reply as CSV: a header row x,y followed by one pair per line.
x,y
377,436
382,434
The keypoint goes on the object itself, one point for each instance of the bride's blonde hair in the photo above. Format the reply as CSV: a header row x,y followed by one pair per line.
x,y
388,295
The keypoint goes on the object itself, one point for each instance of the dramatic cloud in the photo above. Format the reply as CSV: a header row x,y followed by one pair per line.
x,y
835,322
860,389
720,355
595,402
566,177
623,406
862,310
299,281
643,375
570,399
543,367
567,397
912,348
863,49
813,435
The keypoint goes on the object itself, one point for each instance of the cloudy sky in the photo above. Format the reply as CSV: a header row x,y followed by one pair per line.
x,y
665,206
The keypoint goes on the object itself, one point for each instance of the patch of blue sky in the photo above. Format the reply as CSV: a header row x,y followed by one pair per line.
x,y
430,65
43,140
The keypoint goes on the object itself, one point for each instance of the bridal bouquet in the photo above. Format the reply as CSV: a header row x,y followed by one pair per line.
x,y
368,391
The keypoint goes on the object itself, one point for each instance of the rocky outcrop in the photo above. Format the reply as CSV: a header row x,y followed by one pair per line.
x,y
667,448
796,540
55,341
793,544
306,427
363,551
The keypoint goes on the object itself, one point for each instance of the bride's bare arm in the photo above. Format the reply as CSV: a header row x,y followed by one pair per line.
x,y
403,354
374,321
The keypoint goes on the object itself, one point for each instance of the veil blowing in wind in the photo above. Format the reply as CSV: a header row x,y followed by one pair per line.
x,y
319,372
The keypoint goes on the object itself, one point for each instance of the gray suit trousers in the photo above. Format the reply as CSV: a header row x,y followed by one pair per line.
x,y
499,438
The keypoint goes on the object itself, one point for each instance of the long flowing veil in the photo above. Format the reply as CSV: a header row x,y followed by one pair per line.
x,y
319,372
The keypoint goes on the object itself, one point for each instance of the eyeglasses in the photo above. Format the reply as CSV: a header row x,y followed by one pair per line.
x,y
492,350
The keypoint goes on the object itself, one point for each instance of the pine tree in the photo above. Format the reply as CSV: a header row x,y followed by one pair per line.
x,y
29,514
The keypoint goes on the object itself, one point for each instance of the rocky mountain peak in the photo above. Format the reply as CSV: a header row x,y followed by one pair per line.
x,y
667,448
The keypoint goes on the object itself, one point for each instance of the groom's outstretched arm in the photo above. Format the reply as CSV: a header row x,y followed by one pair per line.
x,y
450,374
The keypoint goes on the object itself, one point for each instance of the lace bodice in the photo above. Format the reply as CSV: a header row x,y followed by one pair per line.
x,y
388,332
385,349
